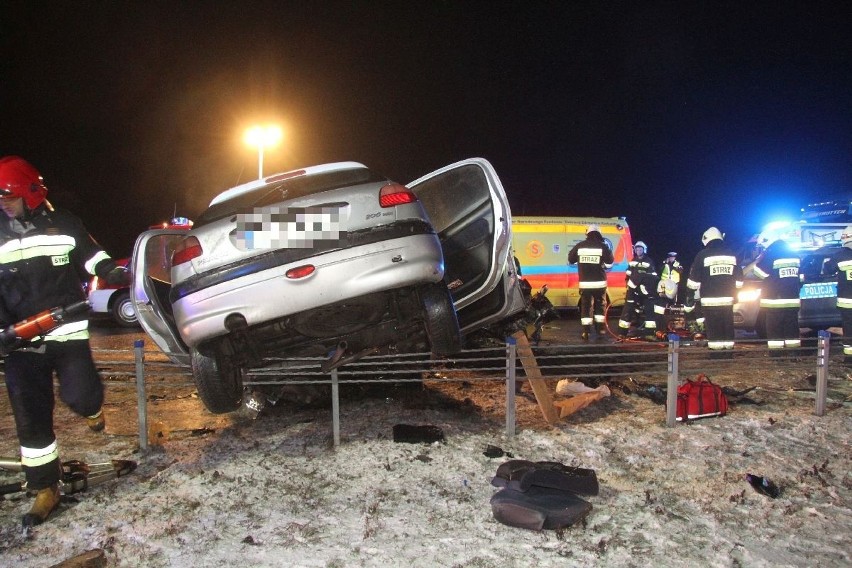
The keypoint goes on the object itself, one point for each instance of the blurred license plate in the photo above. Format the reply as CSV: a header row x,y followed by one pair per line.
x,y
289,227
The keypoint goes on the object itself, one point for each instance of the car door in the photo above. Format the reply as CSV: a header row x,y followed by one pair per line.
x,y
151,269
469,210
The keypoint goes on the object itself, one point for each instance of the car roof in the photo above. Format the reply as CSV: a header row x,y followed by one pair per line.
x,y
311,170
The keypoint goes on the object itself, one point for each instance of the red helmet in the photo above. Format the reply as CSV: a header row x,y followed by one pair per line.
x,y
18,178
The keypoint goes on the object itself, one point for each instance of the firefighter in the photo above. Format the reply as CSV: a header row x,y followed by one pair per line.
x,y
637,268
843,258
714,278
42,255
778,267
593,258
672,270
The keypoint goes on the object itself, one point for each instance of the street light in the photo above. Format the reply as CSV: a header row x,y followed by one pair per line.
x,y
262,137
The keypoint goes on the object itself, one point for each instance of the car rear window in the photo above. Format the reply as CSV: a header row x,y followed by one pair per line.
x,y
288,189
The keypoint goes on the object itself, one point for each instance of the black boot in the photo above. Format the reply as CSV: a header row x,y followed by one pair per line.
x,y
585,335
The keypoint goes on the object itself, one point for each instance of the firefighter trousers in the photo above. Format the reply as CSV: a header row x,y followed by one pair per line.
x,y
592,306
846,318
719,326
782,328
29,382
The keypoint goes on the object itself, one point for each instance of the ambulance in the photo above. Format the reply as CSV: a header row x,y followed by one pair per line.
x,y
541,246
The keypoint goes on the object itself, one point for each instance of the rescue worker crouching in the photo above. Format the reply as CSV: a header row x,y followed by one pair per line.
x,y
714,277
778,267
843,258
42,254
637,268
593,258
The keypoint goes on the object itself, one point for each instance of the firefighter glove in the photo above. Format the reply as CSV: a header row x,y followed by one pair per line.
x,y
118,276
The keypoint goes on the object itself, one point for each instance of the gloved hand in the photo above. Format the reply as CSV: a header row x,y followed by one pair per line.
x,y
118,276
9,341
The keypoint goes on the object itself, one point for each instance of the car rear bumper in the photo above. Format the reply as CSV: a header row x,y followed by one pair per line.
x,y
340,275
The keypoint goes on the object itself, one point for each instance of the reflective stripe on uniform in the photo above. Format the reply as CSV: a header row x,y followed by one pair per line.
x,y
720,344
660,309
775,343
36,246
592,285
722,301
650,324
845,303
692,284
34,457
599,318
720,259
780,303
93,262
792,343
585,321
760,273
69,331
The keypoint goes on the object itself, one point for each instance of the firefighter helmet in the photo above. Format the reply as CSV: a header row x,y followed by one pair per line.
x,y
641,244
593,227
767,238
711,234
18,178
846,235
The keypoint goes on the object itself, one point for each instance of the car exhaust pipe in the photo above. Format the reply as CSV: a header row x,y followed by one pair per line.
x,y
341,356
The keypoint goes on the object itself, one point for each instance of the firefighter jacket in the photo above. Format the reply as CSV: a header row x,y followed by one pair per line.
x,y
778,267
843,258
43,260
592,257
637,268
714,276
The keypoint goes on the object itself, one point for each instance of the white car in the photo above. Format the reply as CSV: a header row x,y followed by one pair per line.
x,y
332,261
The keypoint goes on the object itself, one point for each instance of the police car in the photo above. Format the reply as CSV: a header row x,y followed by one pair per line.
x,y
816,239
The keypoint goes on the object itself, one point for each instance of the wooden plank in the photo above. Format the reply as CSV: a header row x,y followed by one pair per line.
x,y
538,384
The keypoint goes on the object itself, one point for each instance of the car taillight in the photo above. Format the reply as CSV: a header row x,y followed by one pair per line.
x,y
186,250
395,194
300,271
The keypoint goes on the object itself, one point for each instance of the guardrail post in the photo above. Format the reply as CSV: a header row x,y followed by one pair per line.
x,y
823,343
141,396
511,363
673,380
335,407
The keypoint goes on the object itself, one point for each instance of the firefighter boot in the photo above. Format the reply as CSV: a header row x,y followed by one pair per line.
x,y
45,502
585,335
96,421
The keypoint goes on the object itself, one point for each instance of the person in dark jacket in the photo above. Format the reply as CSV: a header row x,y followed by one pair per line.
x,y
843,258
714,278
593,258
43,253
640,266
778,267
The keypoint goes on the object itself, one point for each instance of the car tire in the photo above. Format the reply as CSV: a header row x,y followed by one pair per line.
x,y
123,310
442,325
219,383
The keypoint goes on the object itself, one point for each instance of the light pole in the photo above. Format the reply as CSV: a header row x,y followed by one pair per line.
x,y
262,137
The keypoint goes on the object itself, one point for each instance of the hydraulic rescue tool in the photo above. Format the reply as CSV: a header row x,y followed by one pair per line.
x,y
77,476
19,334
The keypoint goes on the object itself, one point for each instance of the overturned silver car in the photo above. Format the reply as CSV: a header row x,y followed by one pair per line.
x,y
328,261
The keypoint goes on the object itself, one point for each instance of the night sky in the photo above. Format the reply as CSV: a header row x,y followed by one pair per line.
x,y
677,115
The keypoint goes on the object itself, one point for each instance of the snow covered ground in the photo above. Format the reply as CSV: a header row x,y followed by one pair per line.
x,y
275,492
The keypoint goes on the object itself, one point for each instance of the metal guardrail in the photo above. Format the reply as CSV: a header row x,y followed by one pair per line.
x,y
591,360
